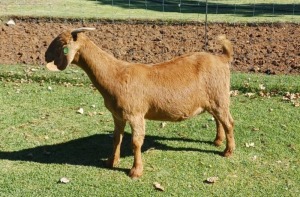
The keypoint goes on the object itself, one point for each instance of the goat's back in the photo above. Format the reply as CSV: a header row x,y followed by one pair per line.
x,y
180,88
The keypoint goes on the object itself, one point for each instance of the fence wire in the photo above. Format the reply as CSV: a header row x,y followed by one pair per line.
x,y
181,13
169,9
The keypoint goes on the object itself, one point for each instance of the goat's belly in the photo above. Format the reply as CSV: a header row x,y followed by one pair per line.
x,y
172,115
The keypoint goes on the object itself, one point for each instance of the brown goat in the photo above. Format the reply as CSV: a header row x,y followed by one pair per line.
x,y
171,91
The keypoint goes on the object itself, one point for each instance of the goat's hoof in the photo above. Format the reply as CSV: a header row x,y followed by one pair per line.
x,y
110,163
228,152
218,142
136,173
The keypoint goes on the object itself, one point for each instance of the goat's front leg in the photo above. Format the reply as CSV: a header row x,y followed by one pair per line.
x,y
117,140
138,134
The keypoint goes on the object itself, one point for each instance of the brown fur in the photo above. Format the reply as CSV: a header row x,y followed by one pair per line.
x,y
171,91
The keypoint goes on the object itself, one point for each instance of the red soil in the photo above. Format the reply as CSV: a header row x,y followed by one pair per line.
x,y
265,48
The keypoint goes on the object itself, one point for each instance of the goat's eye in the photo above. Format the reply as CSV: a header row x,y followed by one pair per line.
x,y
66,50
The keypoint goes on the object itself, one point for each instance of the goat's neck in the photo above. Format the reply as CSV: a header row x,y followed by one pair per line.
x,y
100,66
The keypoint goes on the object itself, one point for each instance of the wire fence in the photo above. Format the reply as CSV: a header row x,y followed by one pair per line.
x,y
191,10
267,47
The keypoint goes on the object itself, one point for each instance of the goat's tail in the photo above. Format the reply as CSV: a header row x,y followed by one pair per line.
x,y
226,46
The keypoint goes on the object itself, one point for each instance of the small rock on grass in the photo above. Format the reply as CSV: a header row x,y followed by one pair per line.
x,y
158,186
80,111
212,180
163,124
64,180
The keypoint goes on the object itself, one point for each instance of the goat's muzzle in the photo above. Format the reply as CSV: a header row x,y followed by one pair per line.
x,y
52,67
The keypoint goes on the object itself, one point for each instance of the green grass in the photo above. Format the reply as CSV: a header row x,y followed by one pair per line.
x,y
43,139
190,10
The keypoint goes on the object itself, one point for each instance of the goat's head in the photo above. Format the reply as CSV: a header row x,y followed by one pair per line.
x,y
63,49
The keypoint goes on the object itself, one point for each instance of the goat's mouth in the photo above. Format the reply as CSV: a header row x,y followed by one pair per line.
x,y
52,67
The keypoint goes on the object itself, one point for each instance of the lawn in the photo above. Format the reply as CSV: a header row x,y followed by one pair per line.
x,y
188,10
43,138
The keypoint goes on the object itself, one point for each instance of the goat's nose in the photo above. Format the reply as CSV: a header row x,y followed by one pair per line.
x,y
52,67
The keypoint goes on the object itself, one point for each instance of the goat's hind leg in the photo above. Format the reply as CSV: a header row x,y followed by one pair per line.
x,y
117,140
220,136
224,117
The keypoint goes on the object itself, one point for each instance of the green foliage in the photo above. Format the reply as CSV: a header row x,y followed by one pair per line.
x,y
43,139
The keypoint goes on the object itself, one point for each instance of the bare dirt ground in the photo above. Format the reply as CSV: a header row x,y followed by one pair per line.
x,y
264,48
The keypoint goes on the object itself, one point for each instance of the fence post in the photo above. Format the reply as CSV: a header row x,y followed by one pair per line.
x,y
206,10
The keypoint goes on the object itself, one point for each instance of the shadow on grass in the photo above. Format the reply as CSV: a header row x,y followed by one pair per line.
x,y
92,150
